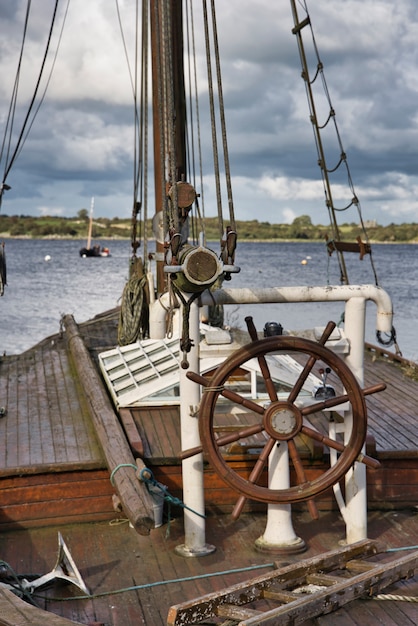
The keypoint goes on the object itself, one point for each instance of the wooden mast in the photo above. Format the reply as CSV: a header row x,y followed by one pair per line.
x,y
88,246
167,43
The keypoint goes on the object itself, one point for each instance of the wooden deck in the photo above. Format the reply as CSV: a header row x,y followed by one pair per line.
x,y
53,474
47,438
112,557
48,448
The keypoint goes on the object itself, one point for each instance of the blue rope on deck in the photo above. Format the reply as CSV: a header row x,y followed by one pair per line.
x,y
118,467
155,489
160,582
147,477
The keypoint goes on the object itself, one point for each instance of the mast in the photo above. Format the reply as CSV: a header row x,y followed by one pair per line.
x,y
168,95
88,246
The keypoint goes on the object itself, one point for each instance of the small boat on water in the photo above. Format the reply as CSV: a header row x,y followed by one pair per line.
x,y
95,250
180,459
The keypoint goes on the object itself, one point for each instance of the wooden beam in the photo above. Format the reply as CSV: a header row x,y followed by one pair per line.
x,y
343,246
136,501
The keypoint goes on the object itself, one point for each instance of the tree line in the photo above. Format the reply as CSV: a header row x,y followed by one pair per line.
x,y
301,228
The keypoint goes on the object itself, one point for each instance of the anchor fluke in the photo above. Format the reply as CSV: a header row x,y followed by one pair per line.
x,y
65,569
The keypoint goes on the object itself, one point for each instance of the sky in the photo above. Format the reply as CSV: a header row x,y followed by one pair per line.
x,y
81,141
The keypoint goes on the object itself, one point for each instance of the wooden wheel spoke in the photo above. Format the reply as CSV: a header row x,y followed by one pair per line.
x,y
297,387
297,462
331,443
225,440
300,475
331,402
261,461
240,434
254,476
271,390
340,447
246,402
324,404
226,393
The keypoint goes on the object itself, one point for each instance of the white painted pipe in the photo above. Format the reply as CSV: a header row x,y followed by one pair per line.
x,y
355,513
158,310
151,289
192,468
328,293
355,296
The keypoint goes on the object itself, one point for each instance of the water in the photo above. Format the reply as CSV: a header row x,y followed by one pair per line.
x,y
39,292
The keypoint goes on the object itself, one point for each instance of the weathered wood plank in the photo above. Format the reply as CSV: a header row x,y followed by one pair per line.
x,y
229,601
55,498
253,589
132,433
136,500
328,600
17,612
159,428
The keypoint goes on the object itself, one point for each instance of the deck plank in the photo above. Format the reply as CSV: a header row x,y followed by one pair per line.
x,y
46,421
17,612
113,557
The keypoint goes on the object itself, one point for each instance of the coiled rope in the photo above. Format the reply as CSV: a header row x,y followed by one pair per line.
x,y
134,313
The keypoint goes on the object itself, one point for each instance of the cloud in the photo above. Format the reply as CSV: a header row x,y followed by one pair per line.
x,y
81,142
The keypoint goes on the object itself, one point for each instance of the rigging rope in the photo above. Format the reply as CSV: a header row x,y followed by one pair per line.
x,y
198,227
317,128
28,122
159,490
325,171
213,123
3,273
139,231
134,312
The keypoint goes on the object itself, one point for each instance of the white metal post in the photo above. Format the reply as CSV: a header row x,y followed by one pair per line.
x,y
355,515
279,535
192,469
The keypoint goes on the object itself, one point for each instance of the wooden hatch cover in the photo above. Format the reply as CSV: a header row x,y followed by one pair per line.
x,y
297,592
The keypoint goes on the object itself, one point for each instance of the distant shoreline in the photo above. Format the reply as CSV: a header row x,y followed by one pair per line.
x,y
300,230
6,236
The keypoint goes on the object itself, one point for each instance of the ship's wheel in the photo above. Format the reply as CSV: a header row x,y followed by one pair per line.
x,y
282,417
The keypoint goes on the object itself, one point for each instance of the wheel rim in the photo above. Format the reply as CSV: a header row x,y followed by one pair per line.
x,y
283,420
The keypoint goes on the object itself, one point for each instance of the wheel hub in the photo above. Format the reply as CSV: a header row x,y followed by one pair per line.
x,y
282,421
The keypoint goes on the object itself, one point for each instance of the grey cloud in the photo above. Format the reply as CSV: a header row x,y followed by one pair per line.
x,y
81,142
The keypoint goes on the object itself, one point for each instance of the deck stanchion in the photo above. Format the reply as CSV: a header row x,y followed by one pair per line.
x,y
192,468
355,516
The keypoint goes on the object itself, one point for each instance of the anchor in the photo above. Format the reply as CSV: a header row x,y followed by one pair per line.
x,y
65,569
